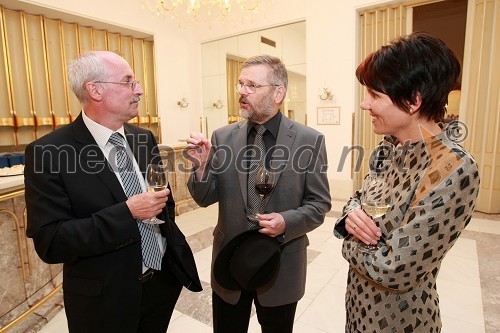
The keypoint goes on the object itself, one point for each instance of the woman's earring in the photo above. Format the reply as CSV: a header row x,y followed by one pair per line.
x,y
411,111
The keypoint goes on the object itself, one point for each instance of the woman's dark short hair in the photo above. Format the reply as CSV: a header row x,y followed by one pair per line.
x,y
417,63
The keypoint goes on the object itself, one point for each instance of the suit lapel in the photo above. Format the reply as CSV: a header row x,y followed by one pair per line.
x,y
86,147
239,139
139,146
286,137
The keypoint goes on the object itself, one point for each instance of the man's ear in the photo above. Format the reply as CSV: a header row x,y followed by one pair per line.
x,y
94,91
279,95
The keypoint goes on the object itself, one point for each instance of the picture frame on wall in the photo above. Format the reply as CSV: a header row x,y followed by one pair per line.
x,y
328,115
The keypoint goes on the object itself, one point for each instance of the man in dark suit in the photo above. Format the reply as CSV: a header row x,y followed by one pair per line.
x,y
298,203
81,212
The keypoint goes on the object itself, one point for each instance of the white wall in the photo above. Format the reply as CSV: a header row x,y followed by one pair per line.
x,y
331,28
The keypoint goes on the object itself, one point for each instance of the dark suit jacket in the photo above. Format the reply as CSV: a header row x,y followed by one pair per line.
x,y
301,196
77,215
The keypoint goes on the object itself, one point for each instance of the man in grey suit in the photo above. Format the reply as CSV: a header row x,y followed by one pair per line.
x,y
298,203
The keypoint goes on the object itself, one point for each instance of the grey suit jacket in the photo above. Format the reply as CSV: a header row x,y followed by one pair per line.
x,y
301,196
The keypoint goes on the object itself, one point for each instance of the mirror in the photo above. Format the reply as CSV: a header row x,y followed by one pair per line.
x,y
222,58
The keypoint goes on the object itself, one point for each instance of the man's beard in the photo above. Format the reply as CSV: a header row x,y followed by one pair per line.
x,y
265,107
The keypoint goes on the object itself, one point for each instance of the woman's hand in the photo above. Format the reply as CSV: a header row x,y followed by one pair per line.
x,y
359,224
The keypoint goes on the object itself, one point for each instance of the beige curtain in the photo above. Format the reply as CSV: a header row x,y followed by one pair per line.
x,y
19,76
149,87
71,46
378,27
34,94
7,119
232,76
480,105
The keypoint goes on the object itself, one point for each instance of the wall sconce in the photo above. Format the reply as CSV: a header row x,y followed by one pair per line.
x,y
183,103
218,104
327,95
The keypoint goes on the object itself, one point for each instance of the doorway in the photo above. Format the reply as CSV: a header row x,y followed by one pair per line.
x,y
447,21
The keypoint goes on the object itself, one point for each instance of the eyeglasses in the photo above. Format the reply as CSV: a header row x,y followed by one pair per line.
x,y
132,84
251,88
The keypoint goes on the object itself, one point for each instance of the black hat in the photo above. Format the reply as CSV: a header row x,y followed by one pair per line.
x,y
249,261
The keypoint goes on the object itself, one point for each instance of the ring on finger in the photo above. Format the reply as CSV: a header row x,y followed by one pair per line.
x,y
355,227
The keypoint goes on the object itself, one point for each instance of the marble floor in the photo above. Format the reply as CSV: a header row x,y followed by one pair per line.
x,y
468,283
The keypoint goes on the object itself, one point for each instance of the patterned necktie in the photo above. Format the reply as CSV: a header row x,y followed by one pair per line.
x,y
253,198
151,253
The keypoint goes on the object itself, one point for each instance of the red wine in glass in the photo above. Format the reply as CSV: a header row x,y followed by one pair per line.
x,y
264,189
264,184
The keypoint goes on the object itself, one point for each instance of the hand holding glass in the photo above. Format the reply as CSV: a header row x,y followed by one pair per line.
x,y
156,180
264,184
374,202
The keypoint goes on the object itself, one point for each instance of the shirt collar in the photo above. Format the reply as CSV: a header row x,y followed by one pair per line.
x,y
100,133
272,125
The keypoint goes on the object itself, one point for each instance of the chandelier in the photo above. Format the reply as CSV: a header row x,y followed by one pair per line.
x,y
207,11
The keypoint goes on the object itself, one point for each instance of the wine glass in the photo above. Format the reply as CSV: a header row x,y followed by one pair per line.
x,y
264,184
375,201
156,180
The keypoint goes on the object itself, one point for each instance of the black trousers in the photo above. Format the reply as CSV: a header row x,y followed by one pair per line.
x,y
159,295
230,318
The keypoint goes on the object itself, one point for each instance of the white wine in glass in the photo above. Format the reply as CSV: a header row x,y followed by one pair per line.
x,y
375,202
156,180
375,209
156,188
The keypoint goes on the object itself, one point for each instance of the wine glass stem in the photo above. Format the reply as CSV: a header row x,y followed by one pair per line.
x,y
261,205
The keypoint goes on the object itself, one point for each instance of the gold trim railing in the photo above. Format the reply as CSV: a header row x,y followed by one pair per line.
x,y
44,121
11,195
134,121
234,119
25,261
19,242
143,120
18,227
59,121
7,122
25,121
16,321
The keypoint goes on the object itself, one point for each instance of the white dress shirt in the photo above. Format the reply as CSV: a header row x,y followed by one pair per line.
x,y
101,135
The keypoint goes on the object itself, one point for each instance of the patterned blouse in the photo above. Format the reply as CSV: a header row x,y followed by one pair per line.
x,y
434,184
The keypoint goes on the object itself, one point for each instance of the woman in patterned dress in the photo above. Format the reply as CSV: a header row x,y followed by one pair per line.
x,y
432,181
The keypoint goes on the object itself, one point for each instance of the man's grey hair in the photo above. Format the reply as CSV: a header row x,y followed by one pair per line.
x,y
88,67
277,73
